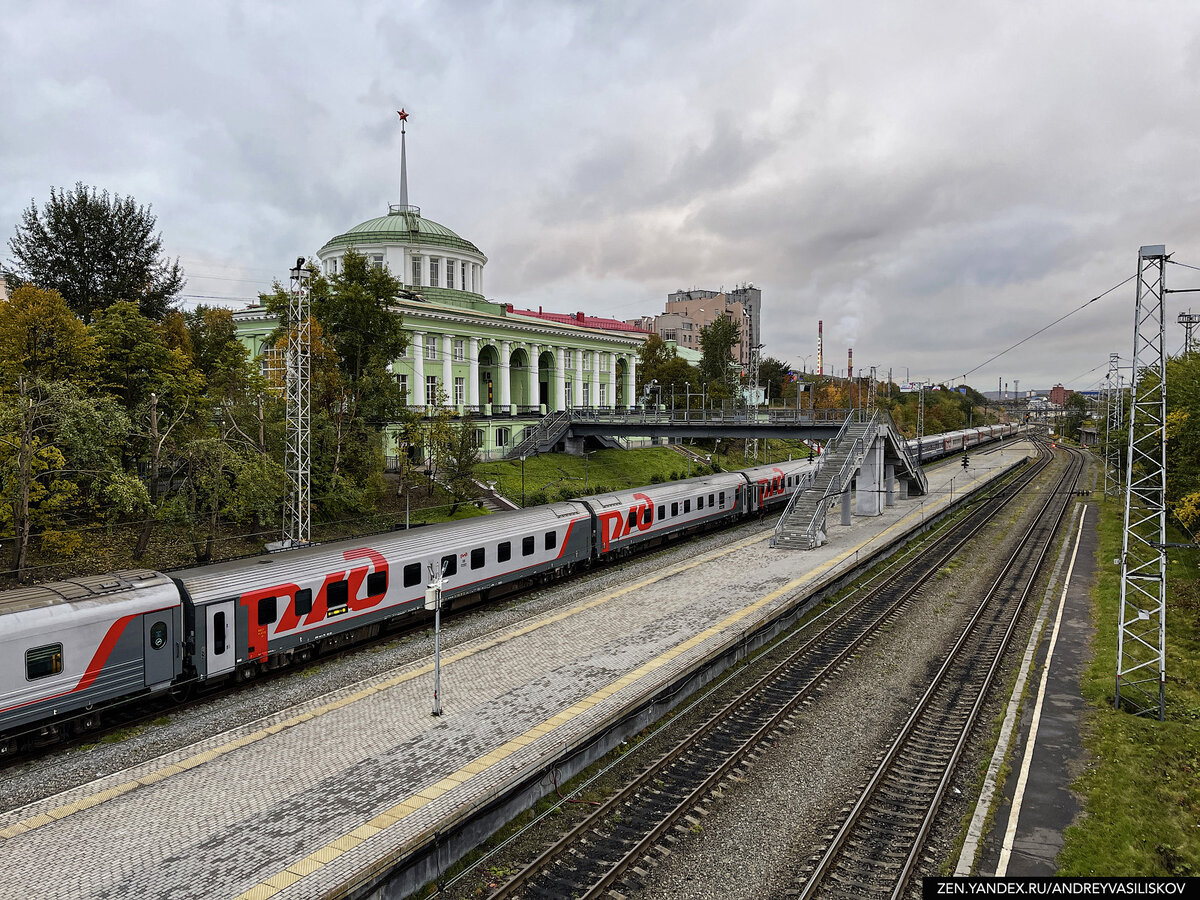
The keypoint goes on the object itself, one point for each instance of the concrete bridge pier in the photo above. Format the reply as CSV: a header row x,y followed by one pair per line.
x,y
889,478
870,481
903,488
846,505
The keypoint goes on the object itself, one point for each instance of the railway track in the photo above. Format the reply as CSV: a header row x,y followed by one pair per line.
x,y
607,845
877,847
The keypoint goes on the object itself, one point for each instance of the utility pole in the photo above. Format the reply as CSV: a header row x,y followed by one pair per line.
x,y
433,601
297,522
1141,641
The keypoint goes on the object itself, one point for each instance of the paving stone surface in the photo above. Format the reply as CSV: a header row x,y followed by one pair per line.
x,y
299,802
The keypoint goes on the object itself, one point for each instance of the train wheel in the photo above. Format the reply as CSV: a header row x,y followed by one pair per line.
x,y
304,654
89,721
182,693
247,672
8,746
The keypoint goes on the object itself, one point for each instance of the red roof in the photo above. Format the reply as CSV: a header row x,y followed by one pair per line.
x,y
579,319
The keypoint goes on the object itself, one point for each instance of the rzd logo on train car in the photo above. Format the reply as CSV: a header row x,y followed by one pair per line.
x,y
318,604
771,487
618,524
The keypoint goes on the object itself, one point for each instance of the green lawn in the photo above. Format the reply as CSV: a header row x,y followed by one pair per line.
x,y
1142,786
555,476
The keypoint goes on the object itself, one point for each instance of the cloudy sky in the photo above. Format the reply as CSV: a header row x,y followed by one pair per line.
x,y
935,180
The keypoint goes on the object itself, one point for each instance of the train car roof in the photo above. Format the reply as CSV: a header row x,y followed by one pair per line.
x,y
90,590
213,582
718,481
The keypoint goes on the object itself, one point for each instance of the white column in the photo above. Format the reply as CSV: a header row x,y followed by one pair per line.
x,y
560,380
631,382
418,391
505,396
473,375
424,270
534,353
578,392
447,372
479,290
612,380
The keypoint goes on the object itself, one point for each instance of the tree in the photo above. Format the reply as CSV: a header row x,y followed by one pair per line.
x,y
136,362
772,374
41,339
95,250
717,340
460,455
652,356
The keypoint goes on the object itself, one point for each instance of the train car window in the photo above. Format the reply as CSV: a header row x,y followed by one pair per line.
x,y
632,518
721,497
527,546
477,558
551,540
42,662
218,634
700,502
687,505
504,552
662,511
337,595
412,574
268,610
674,509
711,498
376,584
303,602
449,565
646,515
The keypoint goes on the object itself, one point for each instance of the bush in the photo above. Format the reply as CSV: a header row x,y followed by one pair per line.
x,y
674,476
537,498
600,489
566,493
716,467
656,479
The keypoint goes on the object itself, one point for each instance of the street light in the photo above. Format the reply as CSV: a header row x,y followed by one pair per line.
x,y
522,481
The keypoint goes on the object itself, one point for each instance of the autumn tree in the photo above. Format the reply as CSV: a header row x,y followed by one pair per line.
x,y
95,250
42,340
460,456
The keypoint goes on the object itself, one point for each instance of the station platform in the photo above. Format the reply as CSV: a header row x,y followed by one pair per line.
x,y
326,799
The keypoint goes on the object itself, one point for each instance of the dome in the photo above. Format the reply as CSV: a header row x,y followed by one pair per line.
x,y
402,225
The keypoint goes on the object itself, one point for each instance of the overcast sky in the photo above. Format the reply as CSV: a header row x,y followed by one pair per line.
x,y
935,180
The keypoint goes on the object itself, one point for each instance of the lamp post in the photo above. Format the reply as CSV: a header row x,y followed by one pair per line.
x,y
433,601
522,481
587,459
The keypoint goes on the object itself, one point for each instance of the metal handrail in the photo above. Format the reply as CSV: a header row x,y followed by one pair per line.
x,y
806,481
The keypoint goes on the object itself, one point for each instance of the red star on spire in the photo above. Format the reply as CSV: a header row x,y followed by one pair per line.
x,y
402,114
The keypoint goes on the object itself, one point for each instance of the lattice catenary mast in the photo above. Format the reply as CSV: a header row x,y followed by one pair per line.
x,y
1141,642
1114,403
297,531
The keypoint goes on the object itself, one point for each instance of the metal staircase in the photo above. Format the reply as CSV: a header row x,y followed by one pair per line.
x,y
803,524
543,436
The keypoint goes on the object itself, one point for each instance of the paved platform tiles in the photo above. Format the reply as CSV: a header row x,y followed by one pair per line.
x,y
301,801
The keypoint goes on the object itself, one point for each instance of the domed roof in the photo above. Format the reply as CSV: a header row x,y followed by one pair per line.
x,y
401,225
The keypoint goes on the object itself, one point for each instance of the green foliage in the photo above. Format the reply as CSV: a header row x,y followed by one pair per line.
x,y
717,341
95,250
771,374
42,339
460,455
135,361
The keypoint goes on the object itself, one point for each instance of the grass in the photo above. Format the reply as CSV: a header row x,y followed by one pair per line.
x,y
1142,786
554,476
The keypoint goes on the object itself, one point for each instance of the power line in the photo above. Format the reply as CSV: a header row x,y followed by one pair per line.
x,y
1045,328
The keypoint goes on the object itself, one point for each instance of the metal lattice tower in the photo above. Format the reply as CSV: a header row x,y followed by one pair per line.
x,y
871,390
1114,403
1141,642
752,380
297,523
1188,320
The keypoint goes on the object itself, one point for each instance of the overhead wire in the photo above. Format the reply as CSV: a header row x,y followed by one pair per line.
x,y
1046,327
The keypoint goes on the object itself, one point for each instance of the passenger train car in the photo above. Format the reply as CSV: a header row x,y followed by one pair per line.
x,y
69,648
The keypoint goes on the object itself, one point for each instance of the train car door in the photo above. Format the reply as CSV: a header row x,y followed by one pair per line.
x,y
220,653
158,644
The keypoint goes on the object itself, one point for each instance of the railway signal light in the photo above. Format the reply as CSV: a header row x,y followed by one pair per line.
x,y
965,461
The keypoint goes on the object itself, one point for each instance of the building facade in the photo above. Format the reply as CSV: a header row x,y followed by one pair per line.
x,y
505,367
688,312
